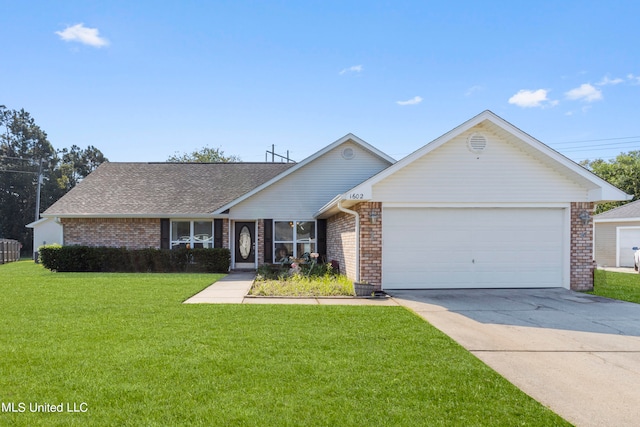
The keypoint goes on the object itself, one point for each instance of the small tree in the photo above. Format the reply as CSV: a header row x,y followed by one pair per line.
x,y
204,155
623,172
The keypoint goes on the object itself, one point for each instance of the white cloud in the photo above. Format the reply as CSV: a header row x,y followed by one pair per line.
x,y
81,34
635,80
473,89
532,98
585,92
607,81
352,69
413,101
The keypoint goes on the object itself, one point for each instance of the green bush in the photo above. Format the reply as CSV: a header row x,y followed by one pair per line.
x,y
106,259
49,255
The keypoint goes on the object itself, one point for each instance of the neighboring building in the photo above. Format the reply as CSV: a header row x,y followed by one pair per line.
x,y
617,232
46,231
485,205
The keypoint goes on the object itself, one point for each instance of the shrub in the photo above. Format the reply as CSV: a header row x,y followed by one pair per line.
x,y
107,259
49,255
282,271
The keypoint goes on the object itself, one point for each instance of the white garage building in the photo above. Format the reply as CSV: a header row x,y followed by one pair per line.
x,y
483,206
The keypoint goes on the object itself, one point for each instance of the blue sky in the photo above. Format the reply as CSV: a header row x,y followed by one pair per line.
x,y
141,80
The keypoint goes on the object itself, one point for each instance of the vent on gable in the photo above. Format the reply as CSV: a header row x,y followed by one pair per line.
x,y
477,143
348,153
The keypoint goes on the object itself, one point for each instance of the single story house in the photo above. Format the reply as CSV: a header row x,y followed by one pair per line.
x,y
617,232
483,206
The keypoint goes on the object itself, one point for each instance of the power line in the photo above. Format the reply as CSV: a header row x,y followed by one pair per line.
x,y
596,140
5,170
16,158
601,147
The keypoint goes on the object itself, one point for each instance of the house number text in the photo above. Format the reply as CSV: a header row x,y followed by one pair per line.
x,y
356,196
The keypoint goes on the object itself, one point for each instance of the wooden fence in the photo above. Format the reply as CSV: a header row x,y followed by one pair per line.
x,y
9,250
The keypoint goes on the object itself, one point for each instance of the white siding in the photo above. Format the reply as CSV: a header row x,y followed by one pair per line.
x,y
501,173
305,191
47,232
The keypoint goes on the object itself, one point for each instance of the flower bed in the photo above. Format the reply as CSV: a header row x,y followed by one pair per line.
x,y
300,279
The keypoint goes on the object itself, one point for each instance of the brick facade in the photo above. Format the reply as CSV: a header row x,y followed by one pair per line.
x,y
581,248
370,243
132,233
341,242
260,242
225,233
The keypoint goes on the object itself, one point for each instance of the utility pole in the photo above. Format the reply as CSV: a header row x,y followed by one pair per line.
x,y
38,190
274,155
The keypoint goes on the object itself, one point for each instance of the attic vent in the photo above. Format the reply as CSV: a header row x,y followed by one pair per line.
x,y
477,143
348,153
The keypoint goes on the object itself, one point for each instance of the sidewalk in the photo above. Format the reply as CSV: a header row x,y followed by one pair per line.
x,y
234,287
618,269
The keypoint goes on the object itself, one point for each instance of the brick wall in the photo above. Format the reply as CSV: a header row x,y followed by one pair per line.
x,y
581,248
132,233
260,242
225,233
370,243
341,242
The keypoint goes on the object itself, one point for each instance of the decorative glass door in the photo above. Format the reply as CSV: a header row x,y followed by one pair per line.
x,y
245,242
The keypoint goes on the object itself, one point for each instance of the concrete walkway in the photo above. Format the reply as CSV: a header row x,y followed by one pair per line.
x,y
619,269
234,287
578,354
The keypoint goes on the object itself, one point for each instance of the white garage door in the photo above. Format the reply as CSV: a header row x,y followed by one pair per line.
x,y
628,237
472,248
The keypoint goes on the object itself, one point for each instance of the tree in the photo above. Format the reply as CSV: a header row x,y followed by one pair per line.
x,y
623,172
76,164
204,155
24,147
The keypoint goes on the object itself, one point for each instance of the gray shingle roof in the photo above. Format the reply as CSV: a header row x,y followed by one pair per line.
x,y
630,210
155,189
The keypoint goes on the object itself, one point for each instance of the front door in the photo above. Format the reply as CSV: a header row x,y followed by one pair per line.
x,y
245,245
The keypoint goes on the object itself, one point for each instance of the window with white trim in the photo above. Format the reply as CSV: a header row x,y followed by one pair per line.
x,y
191,234
293,239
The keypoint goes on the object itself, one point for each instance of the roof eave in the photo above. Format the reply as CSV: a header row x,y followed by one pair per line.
x,y
138,215
596,219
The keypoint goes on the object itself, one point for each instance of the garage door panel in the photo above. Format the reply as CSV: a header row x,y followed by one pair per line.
x,y
627,239
465,248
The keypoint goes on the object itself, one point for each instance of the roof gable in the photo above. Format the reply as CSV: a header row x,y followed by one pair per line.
x,y
503,172
349,138
597,188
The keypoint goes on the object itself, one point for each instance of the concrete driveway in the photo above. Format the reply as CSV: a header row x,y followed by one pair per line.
x,y
577,354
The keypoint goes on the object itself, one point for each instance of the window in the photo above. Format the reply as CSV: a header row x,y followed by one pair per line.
x,y
192,234
293,238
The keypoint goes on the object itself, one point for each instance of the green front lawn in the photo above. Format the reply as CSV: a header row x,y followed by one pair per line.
x,y
124,349
622,286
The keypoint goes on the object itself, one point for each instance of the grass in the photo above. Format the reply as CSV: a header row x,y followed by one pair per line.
x,y
621,286
124,345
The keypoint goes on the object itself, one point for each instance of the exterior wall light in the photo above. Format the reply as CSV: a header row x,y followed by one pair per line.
x,y
584,217
373,216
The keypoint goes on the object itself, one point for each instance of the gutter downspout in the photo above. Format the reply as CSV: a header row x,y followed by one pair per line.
x,y
357,218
